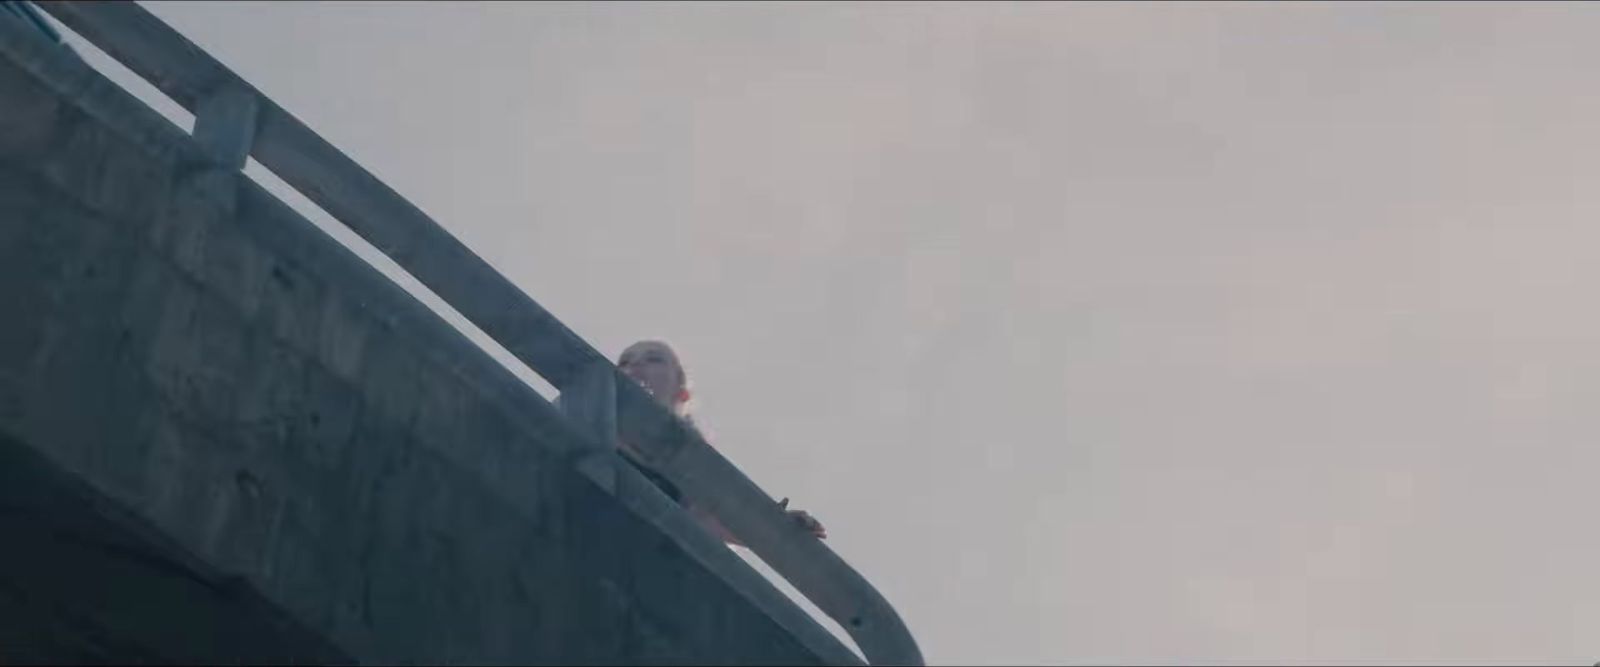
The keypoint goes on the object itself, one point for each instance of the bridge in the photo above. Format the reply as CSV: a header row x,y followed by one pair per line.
x,y
227,438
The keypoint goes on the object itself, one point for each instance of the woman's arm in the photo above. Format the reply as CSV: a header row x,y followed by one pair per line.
x,y
712,524
717,529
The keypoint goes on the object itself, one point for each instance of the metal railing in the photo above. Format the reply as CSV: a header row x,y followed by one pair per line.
x,y
234,121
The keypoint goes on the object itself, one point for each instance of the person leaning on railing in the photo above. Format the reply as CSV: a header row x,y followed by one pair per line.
x,y
657,369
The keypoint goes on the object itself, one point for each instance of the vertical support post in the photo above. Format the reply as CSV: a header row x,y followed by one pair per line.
x,y
589,402
225,125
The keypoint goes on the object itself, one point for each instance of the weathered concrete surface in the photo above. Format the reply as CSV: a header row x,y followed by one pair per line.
x,y
203,377
81,578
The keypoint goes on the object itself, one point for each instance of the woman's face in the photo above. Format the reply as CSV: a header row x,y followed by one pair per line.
x,y
654,367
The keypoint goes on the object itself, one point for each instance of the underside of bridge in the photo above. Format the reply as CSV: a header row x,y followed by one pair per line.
x,y
82,581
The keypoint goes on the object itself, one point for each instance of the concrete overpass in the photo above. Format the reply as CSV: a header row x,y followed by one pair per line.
x,y
225,438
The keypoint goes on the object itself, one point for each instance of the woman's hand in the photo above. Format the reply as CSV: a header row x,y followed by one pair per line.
x,y
805,520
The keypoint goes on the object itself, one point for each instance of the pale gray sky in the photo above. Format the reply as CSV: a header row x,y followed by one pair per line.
x,y
1095,332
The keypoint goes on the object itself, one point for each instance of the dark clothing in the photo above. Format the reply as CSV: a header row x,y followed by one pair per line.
x,y
655,478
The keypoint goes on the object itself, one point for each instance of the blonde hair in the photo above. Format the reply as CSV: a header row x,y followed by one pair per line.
x,y
680,409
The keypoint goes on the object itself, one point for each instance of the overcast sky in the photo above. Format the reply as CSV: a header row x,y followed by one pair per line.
x,y
1122,332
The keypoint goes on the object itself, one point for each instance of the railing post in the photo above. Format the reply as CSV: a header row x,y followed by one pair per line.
x,y
225,125
589,401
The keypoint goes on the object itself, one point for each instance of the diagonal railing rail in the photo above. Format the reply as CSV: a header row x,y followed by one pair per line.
x,y
234,121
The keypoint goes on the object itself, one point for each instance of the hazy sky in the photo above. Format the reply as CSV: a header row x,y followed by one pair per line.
x,y
1096,332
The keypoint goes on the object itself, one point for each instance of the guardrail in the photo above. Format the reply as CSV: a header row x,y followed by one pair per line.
x,y
233,121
